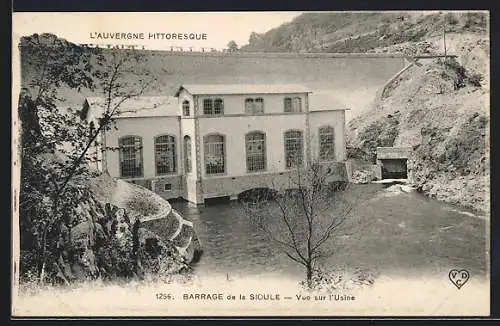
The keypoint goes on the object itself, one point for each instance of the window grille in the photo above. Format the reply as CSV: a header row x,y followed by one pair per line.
x,y
256,151
288,104
187,154
326,144
185,108
249,105
254,106
297,104
294,148
131,165
214,154
165,155
208,106
218,106
259,105
213,106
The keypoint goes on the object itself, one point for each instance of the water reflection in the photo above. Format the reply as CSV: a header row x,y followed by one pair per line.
x,y
232,243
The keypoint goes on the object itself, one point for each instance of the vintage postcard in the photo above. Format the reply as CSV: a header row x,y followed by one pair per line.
x,y
251,164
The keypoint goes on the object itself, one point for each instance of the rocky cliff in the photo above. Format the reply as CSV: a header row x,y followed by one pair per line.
x,y
440,108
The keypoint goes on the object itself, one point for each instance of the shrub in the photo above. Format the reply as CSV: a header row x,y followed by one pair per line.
x,y
340,279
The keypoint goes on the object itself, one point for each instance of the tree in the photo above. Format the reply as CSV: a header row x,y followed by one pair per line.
x,y
232,46
306,217
55,143
254,39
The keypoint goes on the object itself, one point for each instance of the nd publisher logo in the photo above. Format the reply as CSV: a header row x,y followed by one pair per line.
x,y
459,278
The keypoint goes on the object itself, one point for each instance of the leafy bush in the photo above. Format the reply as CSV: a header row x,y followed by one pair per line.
x,y
461,76
381,133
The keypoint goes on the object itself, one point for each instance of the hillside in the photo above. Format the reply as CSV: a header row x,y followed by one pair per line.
x,y
340,32
441,110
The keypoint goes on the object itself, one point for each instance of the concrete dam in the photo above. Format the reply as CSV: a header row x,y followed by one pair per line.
x,y
352,79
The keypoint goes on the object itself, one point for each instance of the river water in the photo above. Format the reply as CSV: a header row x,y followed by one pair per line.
x,y
411,241
406,233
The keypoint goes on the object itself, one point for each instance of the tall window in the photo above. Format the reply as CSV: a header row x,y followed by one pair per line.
x,y
185,108
297,104
208,106
131,165
249,105
254,106
214,154
187,154
218,106
292,104
165,156
294,148
326,144
256,151
288,104
213,106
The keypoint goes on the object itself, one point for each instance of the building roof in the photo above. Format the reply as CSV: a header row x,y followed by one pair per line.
x,y
222,89
144,106
324,101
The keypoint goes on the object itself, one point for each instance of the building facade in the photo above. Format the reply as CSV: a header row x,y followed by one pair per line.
x,y
212,141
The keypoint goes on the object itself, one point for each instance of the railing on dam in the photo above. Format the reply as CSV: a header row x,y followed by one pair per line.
x,y
205,51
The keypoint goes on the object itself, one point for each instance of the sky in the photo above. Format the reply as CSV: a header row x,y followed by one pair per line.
x,y
219,27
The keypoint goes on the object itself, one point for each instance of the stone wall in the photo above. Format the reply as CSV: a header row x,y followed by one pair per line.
x,y
232,186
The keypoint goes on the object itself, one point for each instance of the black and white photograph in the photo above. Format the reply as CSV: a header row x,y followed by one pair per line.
x,y
329,163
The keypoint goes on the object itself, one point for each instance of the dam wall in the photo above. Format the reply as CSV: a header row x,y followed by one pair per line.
x,y
352,79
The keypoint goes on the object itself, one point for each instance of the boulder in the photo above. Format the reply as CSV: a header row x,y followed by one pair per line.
x,y
102,240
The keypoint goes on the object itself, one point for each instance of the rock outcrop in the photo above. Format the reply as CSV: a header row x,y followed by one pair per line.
x,y
103,240
439,109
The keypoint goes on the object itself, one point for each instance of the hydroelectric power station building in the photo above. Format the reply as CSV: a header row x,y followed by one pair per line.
x,y
218,140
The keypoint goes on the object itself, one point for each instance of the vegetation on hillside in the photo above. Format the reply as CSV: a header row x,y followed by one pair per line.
x,y
361,31
441,111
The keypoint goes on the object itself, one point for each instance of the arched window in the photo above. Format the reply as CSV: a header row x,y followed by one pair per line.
x,y
165,155
187,154
185,108
256,151
294,148
131,165
326,144
214,154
